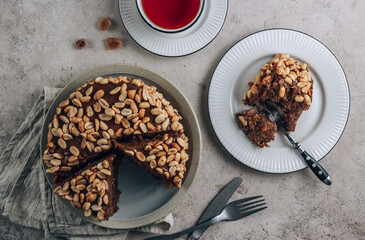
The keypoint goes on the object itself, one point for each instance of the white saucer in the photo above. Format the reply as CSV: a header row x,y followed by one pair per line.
x,y
318,129
204,30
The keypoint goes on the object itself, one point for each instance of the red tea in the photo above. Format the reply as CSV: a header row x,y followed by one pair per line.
x,y
171,14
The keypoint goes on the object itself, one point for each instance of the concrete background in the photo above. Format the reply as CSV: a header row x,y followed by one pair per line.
x,y
37,48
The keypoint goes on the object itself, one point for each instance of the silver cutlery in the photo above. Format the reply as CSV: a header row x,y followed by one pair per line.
x,y
216,206
231,212
273,114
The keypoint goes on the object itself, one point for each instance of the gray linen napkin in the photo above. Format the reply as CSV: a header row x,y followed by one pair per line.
x,y
27,199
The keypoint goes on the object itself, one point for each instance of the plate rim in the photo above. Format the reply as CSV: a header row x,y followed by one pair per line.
x,y
173,56
223,56
180,195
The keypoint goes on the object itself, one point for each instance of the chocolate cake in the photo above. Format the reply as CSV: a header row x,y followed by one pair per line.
x,y
116,115
286,83
257,127
93,188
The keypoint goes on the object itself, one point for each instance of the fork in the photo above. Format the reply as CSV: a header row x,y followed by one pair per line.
x,y
231,212
273,114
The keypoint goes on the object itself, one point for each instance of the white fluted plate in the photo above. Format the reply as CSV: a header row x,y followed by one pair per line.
x,y
204,30
318,129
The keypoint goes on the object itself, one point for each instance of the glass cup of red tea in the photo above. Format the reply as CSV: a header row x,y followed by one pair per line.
x,y
170,16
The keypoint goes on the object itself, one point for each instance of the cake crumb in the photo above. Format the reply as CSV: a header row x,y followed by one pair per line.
x,y
104,24
112,43
81,43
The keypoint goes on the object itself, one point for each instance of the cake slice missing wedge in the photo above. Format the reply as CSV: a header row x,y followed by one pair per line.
x,y
108,116
94,189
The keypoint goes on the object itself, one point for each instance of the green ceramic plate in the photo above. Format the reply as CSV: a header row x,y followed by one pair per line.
x,y
144,199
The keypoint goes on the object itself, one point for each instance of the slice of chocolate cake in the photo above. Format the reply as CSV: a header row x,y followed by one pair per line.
x,y
285,82
94,189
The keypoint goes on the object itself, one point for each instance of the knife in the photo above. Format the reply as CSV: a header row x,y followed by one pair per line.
x,y
216,205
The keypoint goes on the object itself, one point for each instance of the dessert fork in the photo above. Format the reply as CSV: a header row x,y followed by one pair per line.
x,y
231,212
273,114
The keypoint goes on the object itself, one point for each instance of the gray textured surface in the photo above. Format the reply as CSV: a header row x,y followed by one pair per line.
x,y
37,48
